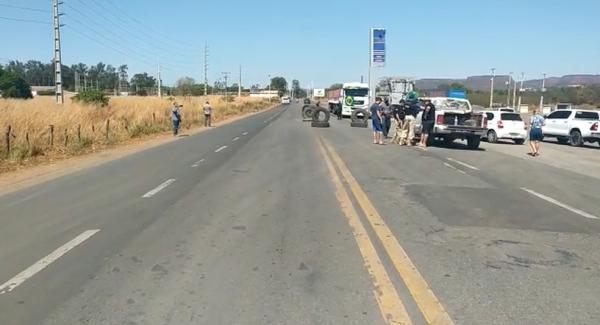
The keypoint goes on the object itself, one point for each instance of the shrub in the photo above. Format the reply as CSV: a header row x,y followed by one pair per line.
x,y
13,86
46,92
94,97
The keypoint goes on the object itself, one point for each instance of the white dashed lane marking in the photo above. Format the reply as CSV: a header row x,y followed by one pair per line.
x,y
20,278
159,188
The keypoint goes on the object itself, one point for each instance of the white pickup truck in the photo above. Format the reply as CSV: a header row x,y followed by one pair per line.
x,y
455,119
573,126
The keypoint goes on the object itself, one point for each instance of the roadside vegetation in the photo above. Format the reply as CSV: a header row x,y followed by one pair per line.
x,y
38,130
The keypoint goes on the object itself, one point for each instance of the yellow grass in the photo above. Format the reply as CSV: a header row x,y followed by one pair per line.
x,y
128,117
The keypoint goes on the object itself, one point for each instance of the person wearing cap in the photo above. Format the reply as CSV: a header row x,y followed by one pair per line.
x,y
175,118
412,109
399,117
207,114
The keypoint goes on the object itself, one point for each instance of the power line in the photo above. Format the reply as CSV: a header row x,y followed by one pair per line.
x,y
123,22
156,31
24,8
95,40
148,49
26,20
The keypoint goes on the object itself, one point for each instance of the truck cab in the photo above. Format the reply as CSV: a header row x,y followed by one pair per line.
x,y
352,96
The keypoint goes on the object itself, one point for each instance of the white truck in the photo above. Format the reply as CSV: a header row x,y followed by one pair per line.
x,y
573,126
397,89
352,96
455,119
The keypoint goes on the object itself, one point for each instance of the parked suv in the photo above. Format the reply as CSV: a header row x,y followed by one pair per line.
x,y
573,126
505,125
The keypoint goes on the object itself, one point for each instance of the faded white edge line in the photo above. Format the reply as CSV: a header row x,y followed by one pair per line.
x,y
245,133
221,149
462,164
159,188
560,204
197,163
235,139
452,167
18,279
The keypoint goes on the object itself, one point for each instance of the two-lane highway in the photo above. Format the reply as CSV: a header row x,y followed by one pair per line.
x,y
269,221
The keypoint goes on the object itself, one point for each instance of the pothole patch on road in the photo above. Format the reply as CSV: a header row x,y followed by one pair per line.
x,y
507,254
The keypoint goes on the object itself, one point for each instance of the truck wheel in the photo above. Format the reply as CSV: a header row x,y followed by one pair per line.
x,y
576,140
320,115
562,140
319,124
473,142
307,112
356,118
492,137
519,141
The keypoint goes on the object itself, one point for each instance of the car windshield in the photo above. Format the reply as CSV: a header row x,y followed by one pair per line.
x,y
452,104
511,117
356,92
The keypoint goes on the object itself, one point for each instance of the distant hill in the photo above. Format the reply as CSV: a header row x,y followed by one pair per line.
x,y
483,82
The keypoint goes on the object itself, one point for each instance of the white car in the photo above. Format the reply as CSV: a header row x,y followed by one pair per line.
x,y
573,126
285,100
505,125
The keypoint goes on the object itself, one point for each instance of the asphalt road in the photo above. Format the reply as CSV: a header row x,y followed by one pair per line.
x,y
269,221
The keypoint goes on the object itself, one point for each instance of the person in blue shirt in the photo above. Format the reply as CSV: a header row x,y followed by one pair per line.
x,y
175,118
535,133
376,120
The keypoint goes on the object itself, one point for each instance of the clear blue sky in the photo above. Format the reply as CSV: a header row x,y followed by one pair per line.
x,y
319,41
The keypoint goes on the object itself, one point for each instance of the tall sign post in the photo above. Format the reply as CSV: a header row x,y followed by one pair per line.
x,y
376,53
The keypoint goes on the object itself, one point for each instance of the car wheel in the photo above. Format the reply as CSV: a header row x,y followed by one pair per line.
x,y
473,142
576,140
492,137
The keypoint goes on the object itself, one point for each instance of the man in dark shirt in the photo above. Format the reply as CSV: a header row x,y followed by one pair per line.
x,y
412,108
399,117
427,123
376,119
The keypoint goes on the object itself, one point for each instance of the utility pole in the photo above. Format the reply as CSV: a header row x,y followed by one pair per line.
x,y
269,88
508,89
492,88
159,83
226,75
77,82
205,69
514,94
543,91
240,83
521,89
57,54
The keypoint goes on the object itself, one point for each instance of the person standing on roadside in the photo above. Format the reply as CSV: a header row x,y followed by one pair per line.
x,y
376,119
175,118
207,114
427,123
399,116
412,110
386,121
535,132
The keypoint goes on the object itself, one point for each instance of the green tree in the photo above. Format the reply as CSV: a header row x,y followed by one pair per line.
x,y
279,84
13,86
185,85
335,86
298,91
141,82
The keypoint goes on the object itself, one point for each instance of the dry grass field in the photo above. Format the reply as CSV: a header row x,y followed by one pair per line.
x,y
40,130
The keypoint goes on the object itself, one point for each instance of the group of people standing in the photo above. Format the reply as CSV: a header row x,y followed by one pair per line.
x,y
397,121
176,116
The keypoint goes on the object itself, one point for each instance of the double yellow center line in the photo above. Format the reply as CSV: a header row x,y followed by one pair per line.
x,y
389,302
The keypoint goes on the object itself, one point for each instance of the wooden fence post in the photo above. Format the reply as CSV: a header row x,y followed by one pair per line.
x,y
27,140
107,128
8,131
51,135
153,118
66,137
79,133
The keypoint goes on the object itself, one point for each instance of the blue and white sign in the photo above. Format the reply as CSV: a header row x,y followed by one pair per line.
x,y
377,47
